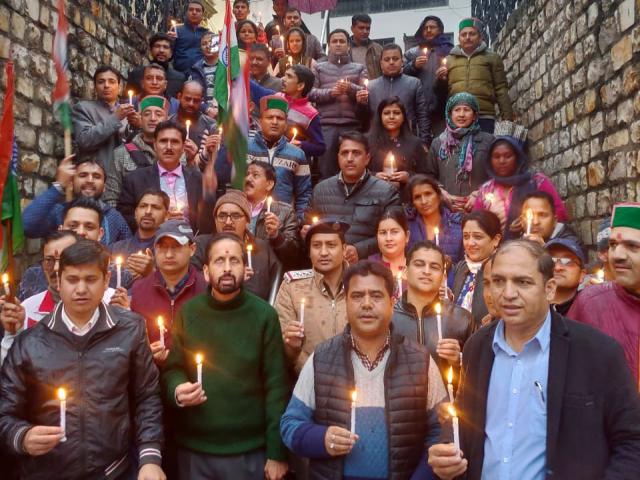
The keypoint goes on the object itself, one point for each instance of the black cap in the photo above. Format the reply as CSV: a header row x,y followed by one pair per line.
x,y
327,225
179,230
569,244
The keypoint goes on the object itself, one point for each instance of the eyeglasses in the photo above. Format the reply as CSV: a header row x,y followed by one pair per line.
x,y
49,262
565,262
223,217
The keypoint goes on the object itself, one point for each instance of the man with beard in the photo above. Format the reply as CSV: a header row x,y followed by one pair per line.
x,y
227,417
87,178
200,124
614,307
17,317
319,291
232,214
160,52
139,151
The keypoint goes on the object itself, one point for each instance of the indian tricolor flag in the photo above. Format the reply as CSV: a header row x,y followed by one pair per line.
x,y
61,105
232,90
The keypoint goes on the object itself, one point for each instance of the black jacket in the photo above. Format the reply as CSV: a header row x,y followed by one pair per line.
x,y
593,407
113,396
137,182
361,208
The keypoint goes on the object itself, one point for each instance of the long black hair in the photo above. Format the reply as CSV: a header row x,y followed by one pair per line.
x,y
379,134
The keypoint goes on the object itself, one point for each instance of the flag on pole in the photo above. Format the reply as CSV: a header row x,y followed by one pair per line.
x,y
231,94
61,105
12,238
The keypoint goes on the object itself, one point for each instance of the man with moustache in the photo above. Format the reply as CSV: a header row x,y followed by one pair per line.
x,y
87,178
614,307
541,395
190,110
226,426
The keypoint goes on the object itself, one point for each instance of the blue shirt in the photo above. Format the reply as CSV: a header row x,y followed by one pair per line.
x,y
516,426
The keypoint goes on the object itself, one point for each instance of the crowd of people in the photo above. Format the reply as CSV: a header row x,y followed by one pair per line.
x,y
395,292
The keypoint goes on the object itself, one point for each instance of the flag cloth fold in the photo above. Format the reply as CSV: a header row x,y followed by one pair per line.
x,y
11,213
61,106
231,93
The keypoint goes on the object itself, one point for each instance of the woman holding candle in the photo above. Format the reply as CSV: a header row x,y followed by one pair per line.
x,y
511,179
457,157
390,136
481,235
428,212
295,47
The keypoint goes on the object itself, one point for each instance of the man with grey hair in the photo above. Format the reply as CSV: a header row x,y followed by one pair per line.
x,y
536,385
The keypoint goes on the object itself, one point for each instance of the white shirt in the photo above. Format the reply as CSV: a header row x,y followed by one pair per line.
x,y
80,331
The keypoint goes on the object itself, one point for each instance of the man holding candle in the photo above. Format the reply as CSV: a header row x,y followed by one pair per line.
x,y
191,116
99,354
415,314
541,395
397,388
226,427
321,291
614,307
186,37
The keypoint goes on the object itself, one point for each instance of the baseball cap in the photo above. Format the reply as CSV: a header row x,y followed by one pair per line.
x,y
179,230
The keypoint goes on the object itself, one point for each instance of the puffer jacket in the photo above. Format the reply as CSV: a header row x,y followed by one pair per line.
x,y
361,208
342,110
410,92
113,396
288,244
456,323
482,74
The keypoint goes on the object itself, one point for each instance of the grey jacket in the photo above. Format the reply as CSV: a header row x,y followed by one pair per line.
x,y
342,110
361,207
410,92
314,48
96,129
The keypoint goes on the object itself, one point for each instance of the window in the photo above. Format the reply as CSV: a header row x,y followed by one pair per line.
x,y
351,7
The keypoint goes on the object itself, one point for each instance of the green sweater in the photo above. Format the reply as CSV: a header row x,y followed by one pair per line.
x,y
243,374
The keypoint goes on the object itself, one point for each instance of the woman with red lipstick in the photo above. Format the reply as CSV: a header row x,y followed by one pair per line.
x,y
393,238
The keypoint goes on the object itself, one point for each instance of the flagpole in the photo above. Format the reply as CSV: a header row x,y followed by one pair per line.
x,y
67,152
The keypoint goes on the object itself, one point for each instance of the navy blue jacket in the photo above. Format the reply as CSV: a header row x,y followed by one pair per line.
x,y
186,48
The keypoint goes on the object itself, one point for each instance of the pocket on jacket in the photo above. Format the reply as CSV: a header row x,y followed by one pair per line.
x,y
366,211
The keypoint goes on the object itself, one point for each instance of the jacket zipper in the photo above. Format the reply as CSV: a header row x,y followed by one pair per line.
x,y
173,302
420,331
81,413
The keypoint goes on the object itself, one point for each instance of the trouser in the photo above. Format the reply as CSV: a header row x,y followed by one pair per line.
x,y
328,161
202,466
487,124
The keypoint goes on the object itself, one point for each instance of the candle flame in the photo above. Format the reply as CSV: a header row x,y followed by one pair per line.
x,y
62,394
529,215
160,322
249,248
173,23
444,62
118,260
314,220
199,358
425,50
139,252
220,131
188,123
450,375
436,230
303,300
399,275
599,275
354,395
290,60
438,308
366,82
269,200
5,278
452,410
295,131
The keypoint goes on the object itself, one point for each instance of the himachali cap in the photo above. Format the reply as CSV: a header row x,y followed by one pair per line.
x,y
179,230
472,22
569,244
626,215
327,225
273,102
154,101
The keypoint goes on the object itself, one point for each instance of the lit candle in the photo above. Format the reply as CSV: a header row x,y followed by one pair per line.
x,y
161,328
444,62
295,134
439,319
314,220
188,125
199,359
220,130
456,427
450,384
600,276
399,279
269,202
173,26
118,271
436,232
354,395
390,164
130,97
301,317
6,285
281,41
249,250
179,206
62,396
393,163
425,51
290,61
366,83
529,220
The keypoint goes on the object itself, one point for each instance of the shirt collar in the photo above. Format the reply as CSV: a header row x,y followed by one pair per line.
x,y
542,338
176,171
80,331
369,364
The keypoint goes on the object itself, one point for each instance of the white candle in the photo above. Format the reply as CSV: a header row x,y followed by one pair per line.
x,y
599,276
439,319
366,83
161,328
269,202
436,231
118,271
450,384
290,61
130,97
249,250
390,167
529,220
199,359
425,51
444,62
301,317
354,395
456,426
295,134
399,279
188,125
62,396
6,285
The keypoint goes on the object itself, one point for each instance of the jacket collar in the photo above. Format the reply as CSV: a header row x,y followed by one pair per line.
x,y
457,50
339,59
106,321
262,142
625,296
407,308
318,279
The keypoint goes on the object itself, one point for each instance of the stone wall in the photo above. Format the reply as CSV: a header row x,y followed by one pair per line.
x,y
573,68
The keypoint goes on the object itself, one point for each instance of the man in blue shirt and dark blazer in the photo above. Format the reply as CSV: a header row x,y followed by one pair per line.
x,y
542,396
